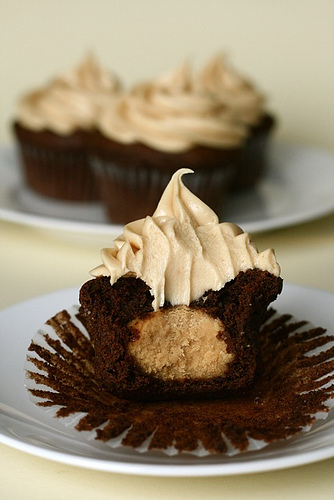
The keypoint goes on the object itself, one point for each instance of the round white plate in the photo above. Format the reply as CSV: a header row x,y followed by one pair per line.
x,y
299,186
31,429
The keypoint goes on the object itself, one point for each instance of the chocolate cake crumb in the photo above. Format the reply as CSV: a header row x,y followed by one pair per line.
x,y
296,382
142,354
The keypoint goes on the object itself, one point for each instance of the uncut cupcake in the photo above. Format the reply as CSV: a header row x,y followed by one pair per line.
x,y
51,129
248,105
148,132
175,309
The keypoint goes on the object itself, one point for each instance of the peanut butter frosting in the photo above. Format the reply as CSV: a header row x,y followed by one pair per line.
x,y
71,101
241,97
182,250
169,114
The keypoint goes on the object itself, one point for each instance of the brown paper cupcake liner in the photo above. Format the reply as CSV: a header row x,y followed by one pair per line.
x,y
253,162
293,393
132,177
63,175
56,166
130,193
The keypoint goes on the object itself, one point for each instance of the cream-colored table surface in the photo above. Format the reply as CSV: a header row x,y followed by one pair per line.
x,y
33,262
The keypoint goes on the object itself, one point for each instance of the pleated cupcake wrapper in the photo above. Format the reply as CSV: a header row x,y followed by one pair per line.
x,y
142,187
60,377
60,174
253,162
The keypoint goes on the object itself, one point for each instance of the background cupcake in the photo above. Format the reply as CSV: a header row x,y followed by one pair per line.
x,y
147,133
51,128
248,106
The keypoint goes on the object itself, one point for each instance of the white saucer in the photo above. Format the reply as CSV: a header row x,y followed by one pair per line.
x,y
31,429
299,186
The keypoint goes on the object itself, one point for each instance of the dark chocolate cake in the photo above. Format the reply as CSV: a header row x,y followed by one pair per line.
x,y
146,355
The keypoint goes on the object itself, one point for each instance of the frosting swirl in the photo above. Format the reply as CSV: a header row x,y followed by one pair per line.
x,y
69,102
182,250
241,97
167,114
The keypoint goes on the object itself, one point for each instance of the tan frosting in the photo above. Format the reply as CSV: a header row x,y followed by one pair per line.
x,y
168,114
182,250
219,78
69,102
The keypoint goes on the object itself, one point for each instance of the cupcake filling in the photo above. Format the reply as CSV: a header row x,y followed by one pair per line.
x,y
180,342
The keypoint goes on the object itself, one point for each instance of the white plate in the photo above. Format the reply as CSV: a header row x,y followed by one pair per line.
x,y
31,429
298,187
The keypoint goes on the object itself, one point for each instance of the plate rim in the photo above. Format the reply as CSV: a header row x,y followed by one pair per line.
x,y
106,229
226,468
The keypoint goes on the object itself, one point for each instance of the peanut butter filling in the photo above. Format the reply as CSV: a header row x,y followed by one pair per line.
x,y
180,342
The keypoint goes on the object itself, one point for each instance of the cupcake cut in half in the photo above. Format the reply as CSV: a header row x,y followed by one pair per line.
x,y
175,308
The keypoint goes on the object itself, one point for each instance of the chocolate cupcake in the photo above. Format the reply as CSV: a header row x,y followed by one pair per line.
x,y
52,128
147,133
175,309
173,348
248,106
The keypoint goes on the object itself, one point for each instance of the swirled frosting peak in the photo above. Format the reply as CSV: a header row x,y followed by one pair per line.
x,y
168,114
182,250
90,76
219,78
69,102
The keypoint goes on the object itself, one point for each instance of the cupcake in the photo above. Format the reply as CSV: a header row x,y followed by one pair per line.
x,y
52,126
147,133
248,106
175,309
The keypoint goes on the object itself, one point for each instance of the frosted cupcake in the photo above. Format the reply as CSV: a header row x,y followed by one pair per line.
x,y
175,309
173,348
51,127
147,133
248,106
